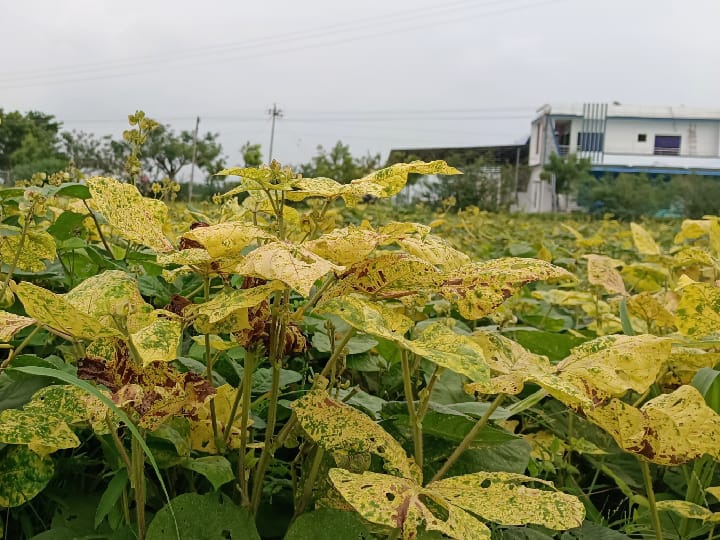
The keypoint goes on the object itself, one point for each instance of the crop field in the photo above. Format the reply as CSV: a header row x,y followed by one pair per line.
x,y
300,359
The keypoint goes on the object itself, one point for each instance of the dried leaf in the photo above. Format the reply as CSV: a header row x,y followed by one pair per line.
x,y
11,324
134,216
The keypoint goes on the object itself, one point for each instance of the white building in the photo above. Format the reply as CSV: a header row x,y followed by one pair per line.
x,y
621,138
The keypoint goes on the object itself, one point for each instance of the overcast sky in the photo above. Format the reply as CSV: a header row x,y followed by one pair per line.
x,y
376,74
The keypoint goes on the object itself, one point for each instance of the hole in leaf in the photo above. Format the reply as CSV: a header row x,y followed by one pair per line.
x,y
226,534
485,483
390,496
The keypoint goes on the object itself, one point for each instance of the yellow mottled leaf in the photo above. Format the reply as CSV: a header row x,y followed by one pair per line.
x,y
648,307
346,246
698,312
685,362
689,510
396,503
258,179
670,429
157,342
202,438
369,317
434,250
23,474
37,247
644,242
611,365
295,266
562,297
601,272
343,430
714,491
645,276
129,212
10,324
192,256
228,301
226,239
480,288
304,188
56,312
480,493
42,433
390,275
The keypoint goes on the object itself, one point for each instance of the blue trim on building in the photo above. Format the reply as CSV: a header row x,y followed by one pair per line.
x,y
653,170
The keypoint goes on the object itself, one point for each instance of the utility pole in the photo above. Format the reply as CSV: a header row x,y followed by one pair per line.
x,y
275,113
194,159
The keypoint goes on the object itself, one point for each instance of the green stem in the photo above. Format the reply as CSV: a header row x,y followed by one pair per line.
x,y
651,499
469,438
18,349
18,251
138,475
310,482
208,375
231,418
337,353
119,445
425,393
699,478
242,479
97,226
409,398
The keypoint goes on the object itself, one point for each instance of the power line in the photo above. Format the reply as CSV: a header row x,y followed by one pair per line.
x,y
294,48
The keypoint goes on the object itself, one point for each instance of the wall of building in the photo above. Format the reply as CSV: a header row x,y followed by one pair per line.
x,y
621,135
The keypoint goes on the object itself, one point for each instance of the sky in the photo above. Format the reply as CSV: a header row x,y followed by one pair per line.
x,y
375,74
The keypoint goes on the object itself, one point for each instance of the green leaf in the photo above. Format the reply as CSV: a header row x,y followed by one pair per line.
x,y
71,189
111,495
23,474
216,469
66,224
212,515
707,381
328,524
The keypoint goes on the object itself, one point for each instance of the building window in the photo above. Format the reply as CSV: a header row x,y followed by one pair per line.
x,y
590,141
642,137
562,136
667,145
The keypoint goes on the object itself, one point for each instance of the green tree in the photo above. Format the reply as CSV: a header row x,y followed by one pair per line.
x,y
252,156
29,143
339,163
95,155
627,196
167,152
568,172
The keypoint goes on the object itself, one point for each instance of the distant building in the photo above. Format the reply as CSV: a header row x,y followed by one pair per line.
x,y
621,138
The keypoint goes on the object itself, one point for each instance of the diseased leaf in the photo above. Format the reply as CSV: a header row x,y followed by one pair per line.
x,y
190,256
480,493
391,275
670,429
135,217
23,474
37,247
295,266
226,239
714,491
644,242
11,324
648,307
345,431
41,433
228,301
601,272
56,312
202,437
689,510
480,288
698,312
346,246
685,362
609,366
434,250
157,342
401,504
369,317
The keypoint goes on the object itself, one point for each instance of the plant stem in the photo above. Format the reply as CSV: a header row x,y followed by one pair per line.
x,y
231,418
138,475
97,226
119,445
651,499
469,438
409,398
19,348
309,484
315,297
337,353
425,393
219,443
242,479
